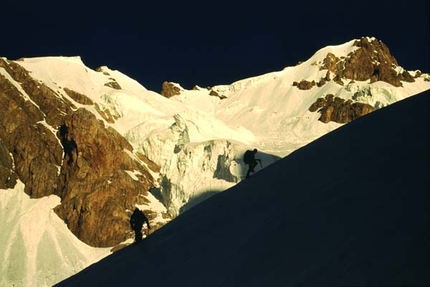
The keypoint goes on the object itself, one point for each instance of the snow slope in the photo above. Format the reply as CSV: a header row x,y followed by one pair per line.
x,y
349,209
36,247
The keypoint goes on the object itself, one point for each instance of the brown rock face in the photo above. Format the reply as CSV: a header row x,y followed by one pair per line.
x,y
56,148
216,94
304,85
7,174
35,149
94,165
169,90
338,110
372,61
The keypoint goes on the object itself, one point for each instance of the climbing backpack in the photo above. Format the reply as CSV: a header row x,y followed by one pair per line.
x,y
247,157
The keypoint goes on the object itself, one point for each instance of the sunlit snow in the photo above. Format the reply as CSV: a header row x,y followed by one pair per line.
x,y
36,247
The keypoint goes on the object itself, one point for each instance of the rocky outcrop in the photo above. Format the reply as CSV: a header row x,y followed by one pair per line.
x,y
216,94
338,110
7,174
113,84
24,130
169,89
77,97
372,61
95,181
53,147
304,85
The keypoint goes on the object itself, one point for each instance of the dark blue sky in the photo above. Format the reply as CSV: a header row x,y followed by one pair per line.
x,y
209,43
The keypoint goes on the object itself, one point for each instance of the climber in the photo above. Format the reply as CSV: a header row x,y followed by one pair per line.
x,y
137,220
251,161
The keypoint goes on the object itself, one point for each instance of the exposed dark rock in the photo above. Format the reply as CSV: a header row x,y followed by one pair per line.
x,y
105,113
35,149
169,90
372,61
338,110
149,163
304,85
338,80
100,70
216,94
113,84
77,97
7,175
96,189
56,148
324,80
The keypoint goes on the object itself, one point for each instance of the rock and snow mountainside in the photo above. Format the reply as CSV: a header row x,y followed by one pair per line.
x,y
349,209
277,113
57,142
103,144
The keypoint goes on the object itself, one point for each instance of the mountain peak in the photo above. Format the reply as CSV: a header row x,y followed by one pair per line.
x,y
371,60
170,89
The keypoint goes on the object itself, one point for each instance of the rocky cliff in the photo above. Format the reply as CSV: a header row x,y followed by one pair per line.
x,y
338,110
371,61
55,145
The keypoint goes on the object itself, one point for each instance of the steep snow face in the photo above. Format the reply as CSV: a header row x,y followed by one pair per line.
x,y
214,163
36,247
71,72
193,168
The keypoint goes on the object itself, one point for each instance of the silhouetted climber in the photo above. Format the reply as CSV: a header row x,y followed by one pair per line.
x,y
251,161
136,222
